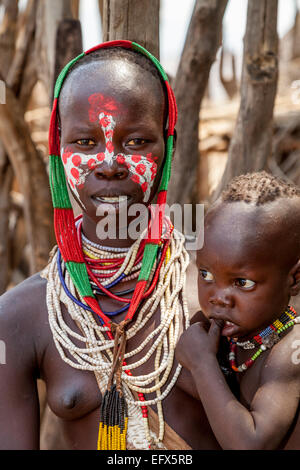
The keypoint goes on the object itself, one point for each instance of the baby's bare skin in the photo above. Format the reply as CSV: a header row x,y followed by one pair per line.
x,y
249,271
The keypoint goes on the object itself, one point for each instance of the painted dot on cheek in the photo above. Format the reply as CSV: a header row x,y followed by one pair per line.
x,y
100,156
76,160
136,158
75,173
120,159
150,158
65,157
91,163
135,179
140,169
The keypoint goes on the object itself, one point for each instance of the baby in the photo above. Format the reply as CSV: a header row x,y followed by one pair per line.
x,y
249,267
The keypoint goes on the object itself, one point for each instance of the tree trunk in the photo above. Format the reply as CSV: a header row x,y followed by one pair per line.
x,y
201,45
135,20
6,177
68,43
8,34
14,76
49,15
7,47
32,178
250,146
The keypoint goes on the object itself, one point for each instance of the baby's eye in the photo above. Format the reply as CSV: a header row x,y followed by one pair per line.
x,y
85,142
244,283
137,141
206,275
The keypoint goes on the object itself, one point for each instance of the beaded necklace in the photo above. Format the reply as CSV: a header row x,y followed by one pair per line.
x,y
264,340
98,353
81,276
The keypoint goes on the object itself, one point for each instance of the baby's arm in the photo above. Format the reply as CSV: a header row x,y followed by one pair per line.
x,y
273,407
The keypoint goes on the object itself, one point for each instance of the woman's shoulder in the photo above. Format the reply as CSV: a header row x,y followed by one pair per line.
x,y
25,300
23,323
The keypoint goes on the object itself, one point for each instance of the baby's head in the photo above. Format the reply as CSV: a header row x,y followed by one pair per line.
x,y
249,266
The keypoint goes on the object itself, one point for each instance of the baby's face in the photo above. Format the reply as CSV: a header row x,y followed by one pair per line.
x,y
112,142
240,279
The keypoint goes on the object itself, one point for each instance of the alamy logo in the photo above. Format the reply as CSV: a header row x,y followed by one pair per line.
x,y
2,352
296,354
2,92
182,217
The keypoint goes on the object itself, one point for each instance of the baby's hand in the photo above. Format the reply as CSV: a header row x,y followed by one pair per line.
x,y
196,342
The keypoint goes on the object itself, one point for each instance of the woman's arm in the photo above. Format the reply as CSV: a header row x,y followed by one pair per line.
x,y
19,404
274,404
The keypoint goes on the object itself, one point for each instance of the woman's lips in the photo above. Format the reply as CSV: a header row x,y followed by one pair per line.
x,y
111,201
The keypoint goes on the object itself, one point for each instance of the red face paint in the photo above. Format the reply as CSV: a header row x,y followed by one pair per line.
x,y
142,168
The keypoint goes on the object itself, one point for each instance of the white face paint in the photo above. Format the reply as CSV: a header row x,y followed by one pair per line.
x,y
78,166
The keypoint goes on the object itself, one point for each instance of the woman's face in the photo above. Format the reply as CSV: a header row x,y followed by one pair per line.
x,y
112,136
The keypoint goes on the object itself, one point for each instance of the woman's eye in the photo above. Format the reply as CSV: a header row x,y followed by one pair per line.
x,y
85,142
137,141
206,275
244,283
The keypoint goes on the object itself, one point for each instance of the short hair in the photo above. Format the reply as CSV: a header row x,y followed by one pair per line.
x,y
123,53
130,56
258,188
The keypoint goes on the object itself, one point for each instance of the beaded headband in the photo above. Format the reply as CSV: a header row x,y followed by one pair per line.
x,y
64,222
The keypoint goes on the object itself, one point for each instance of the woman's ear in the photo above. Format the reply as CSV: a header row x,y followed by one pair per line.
x,y
295,279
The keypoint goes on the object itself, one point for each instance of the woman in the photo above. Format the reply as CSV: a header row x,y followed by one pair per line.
x,y
99,325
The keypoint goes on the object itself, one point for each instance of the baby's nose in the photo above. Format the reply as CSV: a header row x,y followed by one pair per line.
x,y
222,299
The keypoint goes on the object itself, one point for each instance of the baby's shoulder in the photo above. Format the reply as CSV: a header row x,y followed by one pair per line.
x,y
284,357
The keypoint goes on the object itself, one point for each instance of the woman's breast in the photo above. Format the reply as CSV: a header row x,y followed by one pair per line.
x,y
71,393
74,395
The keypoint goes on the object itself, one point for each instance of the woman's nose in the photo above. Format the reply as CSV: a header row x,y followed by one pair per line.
x,y
108,171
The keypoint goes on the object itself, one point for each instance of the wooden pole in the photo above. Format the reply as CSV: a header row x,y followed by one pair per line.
x,y
135,20
201,45
251,143
7,47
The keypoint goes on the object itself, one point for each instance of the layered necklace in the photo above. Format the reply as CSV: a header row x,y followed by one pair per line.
x,y
103,350
263,340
